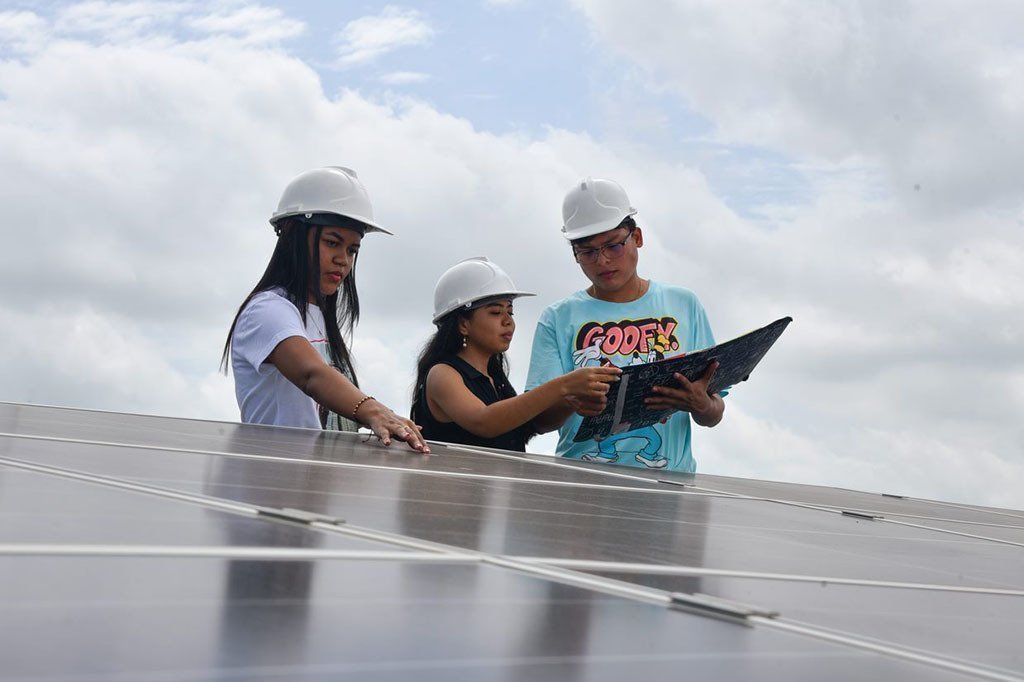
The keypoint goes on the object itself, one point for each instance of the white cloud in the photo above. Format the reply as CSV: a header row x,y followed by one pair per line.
x,y
21,31
255,24
902,266
899,462
142,175
139,175
927,89
404,77
117,21
367,38
124,22
100,360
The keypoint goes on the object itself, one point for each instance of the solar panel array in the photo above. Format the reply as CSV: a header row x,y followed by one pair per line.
x,y
149,548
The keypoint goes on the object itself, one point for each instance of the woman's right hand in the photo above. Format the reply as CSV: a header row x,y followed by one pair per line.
x,y
586,389
385,424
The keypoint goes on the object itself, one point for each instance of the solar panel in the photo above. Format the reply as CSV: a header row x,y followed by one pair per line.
x,y
142,547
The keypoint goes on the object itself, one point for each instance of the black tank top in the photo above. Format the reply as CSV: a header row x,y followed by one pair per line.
x,y
480,386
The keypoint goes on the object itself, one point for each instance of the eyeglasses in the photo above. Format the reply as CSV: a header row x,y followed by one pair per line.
x,y
612,251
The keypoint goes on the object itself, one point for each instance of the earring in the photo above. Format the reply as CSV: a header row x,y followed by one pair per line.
x,y
464,343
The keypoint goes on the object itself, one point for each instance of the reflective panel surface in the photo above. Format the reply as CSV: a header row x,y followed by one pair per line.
x,y
976,627
279,442
347,616
42,509
530,518
200,619
841,498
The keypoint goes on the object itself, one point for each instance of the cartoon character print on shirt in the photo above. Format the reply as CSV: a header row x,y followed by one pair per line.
x,y
623,343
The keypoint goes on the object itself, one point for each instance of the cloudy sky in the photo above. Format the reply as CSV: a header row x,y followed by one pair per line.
x,y
856,165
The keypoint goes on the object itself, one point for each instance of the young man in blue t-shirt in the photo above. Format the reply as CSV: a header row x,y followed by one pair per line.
x,y
622,319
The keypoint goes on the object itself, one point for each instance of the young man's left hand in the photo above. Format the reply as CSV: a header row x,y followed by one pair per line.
x,y
689,396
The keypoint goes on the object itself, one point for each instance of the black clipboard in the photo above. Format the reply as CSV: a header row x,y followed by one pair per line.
x,y
626,410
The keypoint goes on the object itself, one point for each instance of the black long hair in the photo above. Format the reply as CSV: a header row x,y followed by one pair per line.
x,y
445,342
293,268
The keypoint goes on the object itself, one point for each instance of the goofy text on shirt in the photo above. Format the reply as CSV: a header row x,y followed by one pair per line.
x,y
622,343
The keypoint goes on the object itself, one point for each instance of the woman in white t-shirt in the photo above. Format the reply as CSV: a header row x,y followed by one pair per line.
x,y
290,361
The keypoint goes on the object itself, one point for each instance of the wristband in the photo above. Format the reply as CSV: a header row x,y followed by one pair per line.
x,y
360,404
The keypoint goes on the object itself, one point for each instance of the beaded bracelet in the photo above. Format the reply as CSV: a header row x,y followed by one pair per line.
x,y
360,404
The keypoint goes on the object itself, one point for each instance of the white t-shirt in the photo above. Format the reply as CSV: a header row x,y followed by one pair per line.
x,y
264,395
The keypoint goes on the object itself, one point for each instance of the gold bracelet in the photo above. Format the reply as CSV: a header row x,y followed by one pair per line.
x,y
360,404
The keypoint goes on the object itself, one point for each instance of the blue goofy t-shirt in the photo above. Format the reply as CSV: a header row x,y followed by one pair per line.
x,y
582,331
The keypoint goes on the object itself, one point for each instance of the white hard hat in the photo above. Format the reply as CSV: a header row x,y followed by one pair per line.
x,y
594,206
332,190
470,281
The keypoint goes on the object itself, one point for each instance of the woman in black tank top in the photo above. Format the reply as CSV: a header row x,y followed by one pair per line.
x,y
462,392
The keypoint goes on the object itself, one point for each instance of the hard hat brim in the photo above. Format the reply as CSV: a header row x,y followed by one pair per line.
x,y
595,228
369,224
469,305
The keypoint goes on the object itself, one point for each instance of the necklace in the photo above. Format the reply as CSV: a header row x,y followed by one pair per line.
x,y
639,288
640,291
